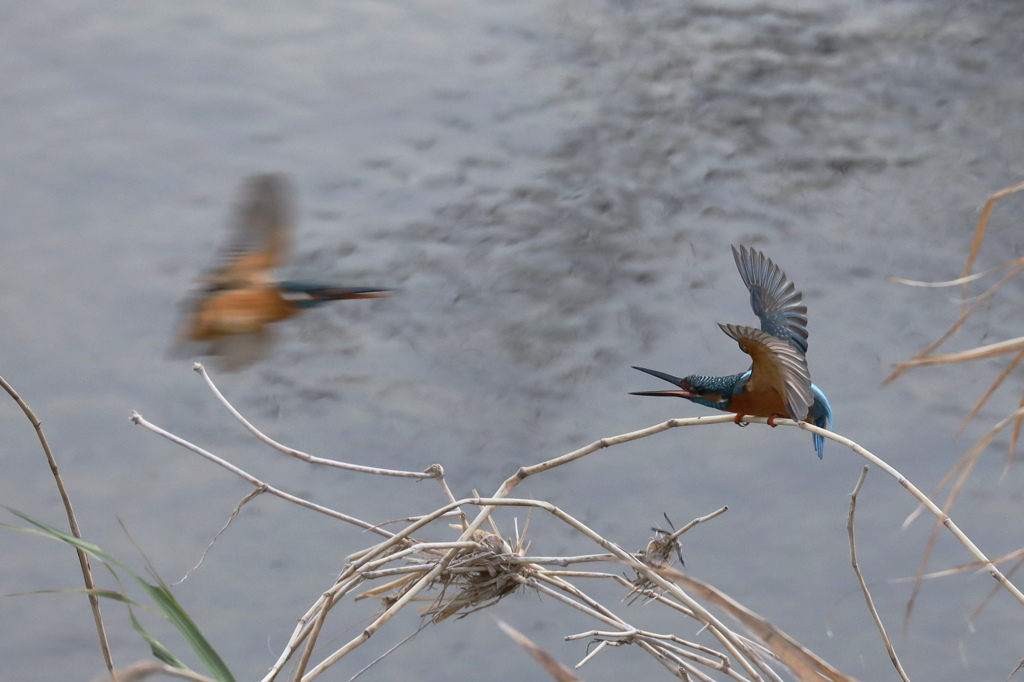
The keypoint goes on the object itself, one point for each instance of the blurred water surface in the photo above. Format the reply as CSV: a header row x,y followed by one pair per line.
x,y
553,186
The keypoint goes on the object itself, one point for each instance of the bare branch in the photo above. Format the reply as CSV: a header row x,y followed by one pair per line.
x,y
137,418
430,472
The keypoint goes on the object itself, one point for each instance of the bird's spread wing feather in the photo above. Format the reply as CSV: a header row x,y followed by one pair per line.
x,y
261,233
776,363
773,297
259,242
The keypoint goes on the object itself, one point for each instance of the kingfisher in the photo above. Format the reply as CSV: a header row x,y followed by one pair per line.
x,y
778,383
239,297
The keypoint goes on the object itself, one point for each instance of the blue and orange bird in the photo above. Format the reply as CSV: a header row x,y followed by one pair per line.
x,y
239,297
778,383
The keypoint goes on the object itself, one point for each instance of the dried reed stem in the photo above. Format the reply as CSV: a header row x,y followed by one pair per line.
x,y
860,576
939,514
65,498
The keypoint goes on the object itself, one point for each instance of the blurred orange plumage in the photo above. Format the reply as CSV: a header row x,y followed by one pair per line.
x,y
240,296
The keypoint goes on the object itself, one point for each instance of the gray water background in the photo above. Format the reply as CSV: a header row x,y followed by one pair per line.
x,y
553,187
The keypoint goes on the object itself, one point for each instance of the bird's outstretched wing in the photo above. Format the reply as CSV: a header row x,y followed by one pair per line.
x,y
773,297
259,242
261,234
776,363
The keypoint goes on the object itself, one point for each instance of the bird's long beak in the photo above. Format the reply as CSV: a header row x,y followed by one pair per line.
x,y
661,375
667,394
666,377
341,293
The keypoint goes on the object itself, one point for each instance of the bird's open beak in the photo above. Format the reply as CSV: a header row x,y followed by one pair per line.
x,y
670,379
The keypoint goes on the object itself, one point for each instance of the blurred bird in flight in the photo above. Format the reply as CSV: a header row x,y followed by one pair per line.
x,y
778,383
239,297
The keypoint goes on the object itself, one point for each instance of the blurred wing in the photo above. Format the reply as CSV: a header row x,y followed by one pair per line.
x,y
776,363
241,350
233,352
773,297
261,235
258,243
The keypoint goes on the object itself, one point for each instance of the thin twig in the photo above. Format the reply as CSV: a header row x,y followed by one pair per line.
x,y
965,465
979,233
137,418
700,519
991,389
959,280
1014,436
979,353
307,651
83,558
921,497
560,560
628,636
860,577
591,608
136,672
385,654
234,514
925,358
298,454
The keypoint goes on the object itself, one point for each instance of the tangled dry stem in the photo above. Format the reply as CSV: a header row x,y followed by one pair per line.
x,y
479,567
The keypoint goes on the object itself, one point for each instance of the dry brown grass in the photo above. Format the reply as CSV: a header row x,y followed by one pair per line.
x,y
961,470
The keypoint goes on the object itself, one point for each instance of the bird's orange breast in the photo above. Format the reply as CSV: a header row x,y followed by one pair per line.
x,y
758,402
237,311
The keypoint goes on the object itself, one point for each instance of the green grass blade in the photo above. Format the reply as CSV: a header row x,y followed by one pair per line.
x,y
161,595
